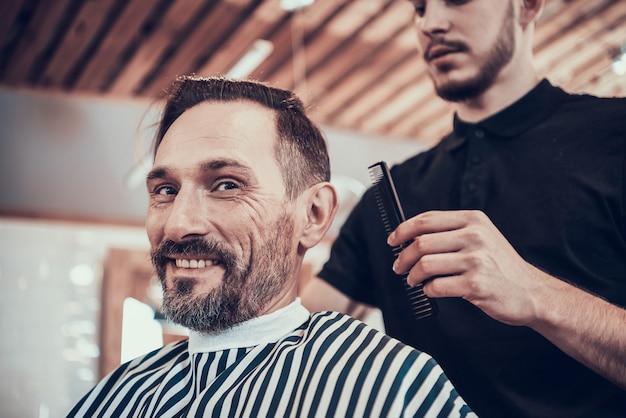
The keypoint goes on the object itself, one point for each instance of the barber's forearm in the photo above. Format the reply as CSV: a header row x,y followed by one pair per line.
x,y
318,295
587,328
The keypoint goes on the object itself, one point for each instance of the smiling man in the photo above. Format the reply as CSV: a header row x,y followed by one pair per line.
x,y
239,192
219,218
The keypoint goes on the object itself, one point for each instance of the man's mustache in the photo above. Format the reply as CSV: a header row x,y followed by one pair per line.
x,y
452,46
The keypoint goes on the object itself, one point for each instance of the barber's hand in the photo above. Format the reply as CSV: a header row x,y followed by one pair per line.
x,y
469,258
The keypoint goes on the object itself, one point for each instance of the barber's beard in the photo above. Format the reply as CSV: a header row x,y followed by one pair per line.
x,y
245,290
499,56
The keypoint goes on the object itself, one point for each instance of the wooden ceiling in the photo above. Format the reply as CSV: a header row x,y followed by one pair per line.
x,y
353,61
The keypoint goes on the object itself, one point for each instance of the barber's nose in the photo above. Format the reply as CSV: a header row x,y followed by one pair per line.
x,y
435,19
188,217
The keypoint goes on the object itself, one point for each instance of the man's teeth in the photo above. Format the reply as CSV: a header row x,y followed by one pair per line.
x,y
194,264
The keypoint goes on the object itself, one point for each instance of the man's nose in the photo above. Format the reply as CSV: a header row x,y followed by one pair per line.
x,y
189,217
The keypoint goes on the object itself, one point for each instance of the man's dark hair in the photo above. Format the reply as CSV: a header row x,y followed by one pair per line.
x,y
301,149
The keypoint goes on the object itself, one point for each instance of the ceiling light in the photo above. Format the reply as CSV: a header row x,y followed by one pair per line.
x,y
293,5
257,53
82,275
619,60
619,65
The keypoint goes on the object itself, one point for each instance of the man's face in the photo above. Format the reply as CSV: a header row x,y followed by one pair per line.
x,y
465,43
218,219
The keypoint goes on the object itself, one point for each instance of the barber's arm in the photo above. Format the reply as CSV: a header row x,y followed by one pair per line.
x,y
317,295
478,264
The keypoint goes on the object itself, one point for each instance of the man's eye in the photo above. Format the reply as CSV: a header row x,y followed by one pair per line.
x,y
420,8
226,185
165,190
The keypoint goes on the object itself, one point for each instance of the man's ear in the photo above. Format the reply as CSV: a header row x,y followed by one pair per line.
x,y
322,203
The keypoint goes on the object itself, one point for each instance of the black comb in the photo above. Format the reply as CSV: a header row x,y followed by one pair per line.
x,y
392,215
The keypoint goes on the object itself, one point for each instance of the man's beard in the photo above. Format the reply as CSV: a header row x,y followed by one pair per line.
x,y
245,289
499,56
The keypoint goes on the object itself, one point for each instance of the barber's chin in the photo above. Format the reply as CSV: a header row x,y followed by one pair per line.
x,y
451,77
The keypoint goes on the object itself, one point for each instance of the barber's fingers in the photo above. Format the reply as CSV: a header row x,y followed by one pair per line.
x,y
463,275
427,244
434,221
436,265
446,287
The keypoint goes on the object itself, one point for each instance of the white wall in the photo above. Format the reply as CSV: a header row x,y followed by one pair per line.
x,y
50,276
72,156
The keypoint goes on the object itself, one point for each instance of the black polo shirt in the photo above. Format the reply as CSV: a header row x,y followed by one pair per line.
x,y
550,172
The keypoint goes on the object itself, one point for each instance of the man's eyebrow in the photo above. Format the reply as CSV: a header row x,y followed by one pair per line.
x,y
212,165
157,173
223,163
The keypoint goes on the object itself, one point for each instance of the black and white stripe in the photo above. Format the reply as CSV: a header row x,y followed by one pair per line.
x,y
332,365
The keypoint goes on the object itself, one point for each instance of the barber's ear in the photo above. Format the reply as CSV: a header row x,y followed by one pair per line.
x,y
531,11
322,201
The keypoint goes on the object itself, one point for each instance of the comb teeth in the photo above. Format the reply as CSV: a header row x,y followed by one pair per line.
x,y
391,215
421,305
376,174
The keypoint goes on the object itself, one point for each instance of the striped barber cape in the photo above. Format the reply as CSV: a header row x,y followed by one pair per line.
x,y
328,365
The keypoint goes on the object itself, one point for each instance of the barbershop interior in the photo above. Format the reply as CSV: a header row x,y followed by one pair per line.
x,y
81,90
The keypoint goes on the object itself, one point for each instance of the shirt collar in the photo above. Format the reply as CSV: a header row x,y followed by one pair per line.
x,y
264,329
528,111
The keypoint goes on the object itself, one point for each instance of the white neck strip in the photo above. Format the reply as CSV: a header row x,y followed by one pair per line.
x,y
262,330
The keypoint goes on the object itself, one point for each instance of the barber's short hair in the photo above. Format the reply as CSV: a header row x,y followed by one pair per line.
x,y
301,150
